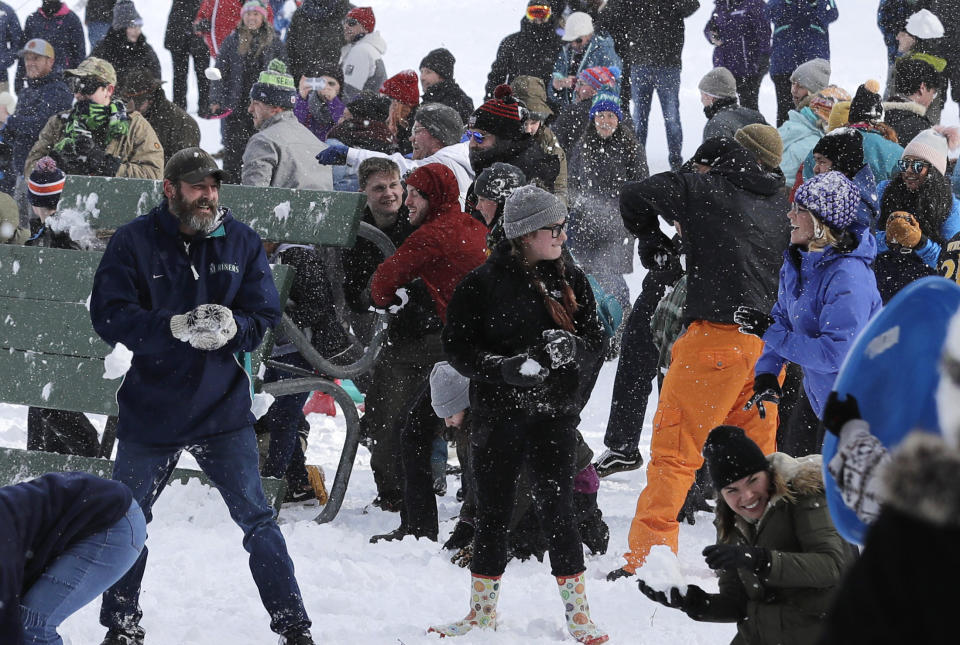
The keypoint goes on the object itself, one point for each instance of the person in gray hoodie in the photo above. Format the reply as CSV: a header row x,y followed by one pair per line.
x,y
281,153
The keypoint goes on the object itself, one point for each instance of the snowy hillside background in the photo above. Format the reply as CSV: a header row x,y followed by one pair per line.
x,y
198,590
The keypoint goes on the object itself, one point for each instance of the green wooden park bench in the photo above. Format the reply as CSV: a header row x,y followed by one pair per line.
x,y
60,364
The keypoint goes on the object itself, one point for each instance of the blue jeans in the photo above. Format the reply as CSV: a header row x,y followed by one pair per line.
x,y
230,461
666,80
283,419
96,31
80,574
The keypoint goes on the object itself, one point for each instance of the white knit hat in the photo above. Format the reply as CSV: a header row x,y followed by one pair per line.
x,y
924,24
930,146
577,24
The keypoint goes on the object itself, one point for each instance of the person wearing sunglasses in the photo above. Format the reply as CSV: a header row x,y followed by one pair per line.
x,y
583,49
920,189
362,57
98,136
522,327
531,51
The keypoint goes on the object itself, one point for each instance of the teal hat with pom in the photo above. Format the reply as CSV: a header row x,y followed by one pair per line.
x,y
275,86
606,102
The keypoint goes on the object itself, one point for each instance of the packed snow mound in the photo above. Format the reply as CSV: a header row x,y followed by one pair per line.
x,y
117,362
661,570
74,223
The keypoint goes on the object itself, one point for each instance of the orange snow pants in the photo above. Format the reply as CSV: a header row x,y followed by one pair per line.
x,y
709,381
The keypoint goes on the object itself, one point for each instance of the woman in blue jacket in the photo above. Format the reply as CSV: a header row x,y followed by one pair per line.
x,y
827,292
800,33
64,538
921,190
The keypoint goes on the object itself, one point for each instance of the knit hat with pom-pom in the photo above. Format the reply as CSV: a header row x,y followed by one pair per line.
x,y
403,87
275,86
45,183
866,104
831,197
501,116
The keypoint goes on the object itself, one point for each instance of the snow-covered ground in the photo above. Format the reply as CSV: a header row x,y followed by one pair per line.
x,y
198,590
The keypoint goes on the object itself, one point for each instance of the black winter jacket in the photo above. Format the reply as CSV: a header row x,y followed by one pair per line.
x,y
734,231
174,127
496,313
124,55
449,93
908,119
532,51
646,32
240,71
315,35
419,317
179,31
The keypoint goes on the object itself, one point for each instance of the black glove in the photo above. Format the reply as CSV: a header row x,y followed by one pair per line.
x,y
559,347
660,256
735,556
513,372
765,388
836,413
752,321
694,603
100,163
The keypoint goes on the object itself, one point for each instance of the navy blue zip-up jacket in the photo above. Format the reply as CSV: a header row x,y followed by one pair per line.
x,y
41,518
174,394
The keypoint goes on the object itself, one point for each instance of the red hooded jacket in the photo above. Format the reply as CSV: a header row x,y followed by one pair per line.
x,y
446,247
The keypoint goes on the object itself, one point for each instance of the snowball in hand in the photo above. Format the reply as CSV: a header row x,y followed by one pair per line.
x,y
530,367
212,74
661,570
261,403
117,362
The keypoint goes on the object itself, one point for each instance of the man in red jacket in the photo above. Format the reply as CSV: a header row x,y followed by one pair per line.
x,y
446,246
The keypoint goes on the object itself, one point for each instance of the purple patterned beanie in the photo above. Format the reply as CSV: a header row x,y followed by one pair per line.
x,y
831,197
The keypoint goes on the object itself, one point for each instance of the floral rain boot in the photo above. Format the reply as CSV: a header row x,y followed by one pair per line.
x,y
573,591
484,593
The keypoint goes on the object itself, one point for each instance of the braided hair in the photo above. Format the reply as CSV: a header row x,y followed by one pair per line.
x,y
563,311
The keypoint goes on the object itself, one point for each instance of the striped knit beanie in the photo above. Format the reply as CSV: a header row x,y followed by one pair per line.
x,y
501,116
45,183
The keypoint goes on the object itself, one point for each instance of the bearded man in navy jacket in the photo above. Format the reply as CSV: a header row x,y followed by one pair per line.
x,y
188,290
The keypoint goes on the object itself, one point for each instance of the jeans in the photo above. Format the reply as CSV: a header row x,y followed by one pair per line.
x,y
782,85
230,461
283,418
79,574
96,31
635,371
666,80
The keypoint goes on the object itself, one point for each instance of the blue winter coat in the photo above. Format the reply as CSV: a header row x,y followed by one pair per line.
x,y
599,53
868,211
880,153
63,31
825,298
743,29
930,251
39,520
38,101
11,39
174,394
800,32
800,133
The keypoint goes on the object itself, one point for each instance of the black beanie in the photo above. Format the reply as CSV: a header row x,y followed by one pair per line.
x,y
369,106
866,104
503,115
731,455
441,61
844,147
714,149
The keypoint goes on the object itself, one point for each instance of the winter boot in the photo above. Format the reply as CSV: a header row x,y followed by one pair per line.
x,y
483,608
298,636
132,636
574,594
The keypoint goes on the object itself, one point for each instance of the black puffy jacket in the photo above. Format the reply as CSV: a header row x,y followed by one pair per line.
x,y
647,32
532,51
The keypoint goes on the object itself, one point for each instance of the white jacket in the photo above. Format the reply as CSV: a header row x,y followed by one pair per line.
x,y
455,157
362,65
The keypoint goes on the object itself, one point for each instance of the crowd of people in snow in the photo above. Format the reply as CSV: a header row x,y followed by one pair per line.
x,y
766,254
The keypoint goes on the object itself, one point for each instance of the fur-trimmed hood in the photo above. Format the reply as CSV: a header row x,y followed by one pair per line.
x,y
905,104
790,478
922,480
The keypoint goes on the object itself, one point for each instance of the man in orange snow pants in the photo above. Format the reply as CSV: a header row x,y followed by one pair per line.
x,y
732,218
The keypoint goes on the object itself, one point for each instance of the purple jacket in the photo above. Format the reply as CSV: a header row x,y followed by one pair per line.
x,y
321,119
743,30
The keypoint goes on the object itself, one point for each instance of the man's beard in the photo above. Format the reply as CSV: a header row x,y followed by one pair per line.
x,y
187,213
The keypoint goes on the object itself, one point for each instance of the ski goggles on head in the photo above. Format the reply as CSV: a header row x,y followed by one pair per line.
x,y
916,165
86,85
539,12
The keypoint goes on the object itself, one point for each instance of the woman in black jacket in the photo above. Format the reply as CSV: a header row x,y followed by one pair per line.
x,y
125,47
519,327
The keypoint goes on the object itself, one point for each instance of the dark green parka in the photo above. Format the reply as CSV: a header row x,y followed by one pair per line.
x,y
808,558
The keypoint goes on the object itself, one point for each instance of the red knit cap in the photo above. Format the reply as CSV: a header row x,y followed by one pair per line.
x,y
364,15
403,87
